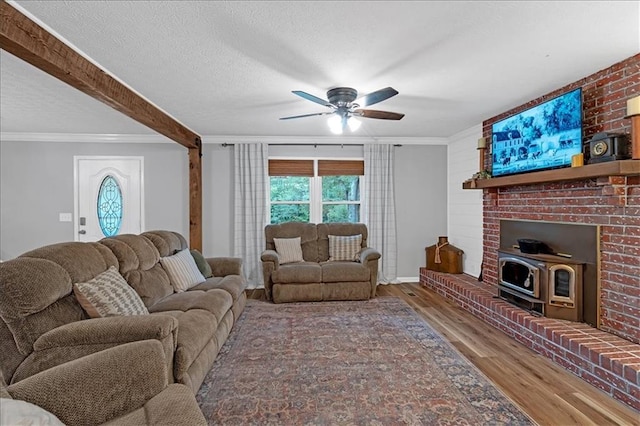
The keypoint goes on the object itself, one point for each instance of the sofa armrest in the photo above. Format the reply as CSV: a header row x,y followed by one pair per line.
x,y
369,257
223,266
115,330
270,262
98,387
77,339
270,256
368,254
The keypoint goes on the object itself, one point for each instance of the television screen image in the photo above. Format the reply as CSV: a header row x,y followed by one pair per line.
x,y
540,138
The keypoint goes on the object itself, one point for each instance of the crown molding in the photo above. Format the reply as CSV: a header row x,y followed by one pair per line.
x,y
213,139
83,137
337,140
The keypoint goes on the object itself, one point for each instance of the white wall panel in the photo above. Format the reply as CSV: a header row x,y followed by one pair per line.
x,y
465,206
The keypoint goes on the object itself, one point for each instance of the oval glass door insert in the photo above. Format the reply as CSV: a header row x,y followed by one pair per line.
x,y
109,208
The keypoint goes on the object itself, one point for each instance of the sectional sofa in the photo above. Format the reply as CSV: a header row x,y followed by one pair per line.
x,y
44,324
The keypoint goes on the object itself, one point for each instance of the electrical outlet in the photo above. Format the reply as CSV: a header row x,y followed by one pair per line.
x,y
66,217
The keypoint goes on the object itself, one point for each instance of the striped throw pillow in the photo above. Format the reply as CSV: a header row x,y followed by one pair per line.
x,y
289,249
343,247
109,295
182,270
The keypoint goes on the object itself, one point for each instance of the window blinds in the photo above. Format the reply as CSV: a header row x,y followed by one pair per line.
x,y
325,168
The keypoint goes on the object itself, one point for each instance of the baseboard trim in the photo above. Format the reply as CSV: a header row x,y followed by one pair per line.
x,y
409,279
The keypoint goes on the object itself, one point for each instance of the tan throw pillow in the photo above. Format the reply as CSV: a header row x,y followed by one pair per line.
x,y
182,270
109,295
344,247
289,249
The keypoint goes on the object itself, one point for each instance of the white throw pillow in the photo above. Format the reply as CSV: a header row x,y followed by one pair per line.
x,y
182,270
23,413
289,249
109,295
343,247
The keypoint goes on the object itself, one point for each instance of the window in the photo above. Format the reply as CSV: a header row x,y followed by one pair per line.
x,y
290,201
109,206
340,198
315,190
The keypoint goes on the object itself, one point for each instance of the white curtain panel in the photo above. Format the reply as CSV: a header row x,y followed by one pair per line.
x,y
380,208
250,208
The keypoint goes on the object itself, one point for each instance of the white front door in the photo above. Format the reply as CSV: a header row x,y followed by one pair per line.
x,y
109,196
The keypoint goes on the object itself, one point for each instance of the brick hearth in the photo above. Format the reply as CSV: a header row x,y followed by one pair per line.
x,y
604,360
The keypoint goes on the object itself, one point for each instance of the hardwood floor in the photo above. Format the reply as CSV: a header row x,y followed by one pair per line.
x,y
542,389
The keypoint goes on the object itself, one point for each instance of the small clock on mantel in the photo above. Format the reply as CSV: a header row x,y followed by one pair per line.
x,y
607,147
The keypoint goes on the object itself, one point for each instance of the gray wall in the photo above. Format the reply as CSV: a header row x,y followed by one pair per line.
x,y
217,200
421,203
36,184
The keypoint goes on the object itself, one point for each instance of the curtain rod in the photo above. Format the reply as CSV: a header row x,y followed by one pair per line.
x,y
224,145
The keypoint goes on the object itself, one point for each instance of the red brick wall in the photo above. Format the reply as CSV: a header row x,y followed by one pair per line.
x,y
612,202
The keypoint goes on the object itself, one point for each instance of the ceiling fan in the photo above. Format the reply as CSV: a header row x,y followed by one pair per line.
x,y
346,106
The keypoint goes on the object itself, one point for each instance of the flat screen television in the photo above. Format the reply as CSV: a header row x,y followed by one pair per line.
x,y
543,137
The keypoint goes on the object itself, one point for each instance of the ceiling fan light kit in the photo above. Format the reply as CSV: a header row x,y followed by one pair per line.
x,y
354,124
345,107
337,124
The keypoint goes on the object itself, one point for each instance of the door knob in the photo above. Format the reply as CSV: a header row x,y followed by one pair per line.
x,y
82,231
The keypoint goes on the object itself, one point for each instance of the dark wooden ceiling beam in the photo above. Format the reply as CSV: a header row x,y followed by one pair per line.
x,y
27,40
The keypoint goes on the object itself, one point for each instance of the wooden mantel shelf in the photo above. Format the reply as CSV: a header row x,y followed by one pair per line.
x,y
588,171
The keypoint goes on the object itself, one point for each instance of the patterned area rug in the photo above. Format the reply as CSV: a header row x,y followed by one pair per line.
x,y
375,362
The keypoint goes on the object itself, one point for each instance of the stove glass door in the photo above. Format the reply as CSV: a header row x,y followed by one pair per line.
x,y
562,283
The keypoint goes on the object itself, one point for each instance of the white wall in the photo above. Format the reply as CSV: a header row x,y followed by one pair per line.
x,y
465,206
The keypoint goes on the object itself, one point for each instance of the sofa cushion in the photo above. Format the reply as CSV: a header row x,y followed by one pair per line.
x,y
140,266
201,262
166,242
216,301
289,250
37,296
82,261
108,295
335,272
326,229
306,272
196,328
182,270
233,284
344,247
307,232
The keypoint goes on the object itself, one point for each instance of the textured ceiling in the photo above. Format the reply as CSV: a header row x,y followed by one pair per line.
x,y
228,68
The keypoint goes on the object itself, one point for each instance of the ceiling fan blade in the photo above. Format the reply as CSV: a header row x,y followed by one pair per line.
x,y
383,115
377,96
306,115
311,98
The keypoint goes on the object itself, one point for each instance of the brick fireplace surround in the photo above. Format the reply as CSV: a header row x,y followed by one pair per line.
x,y
607,357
